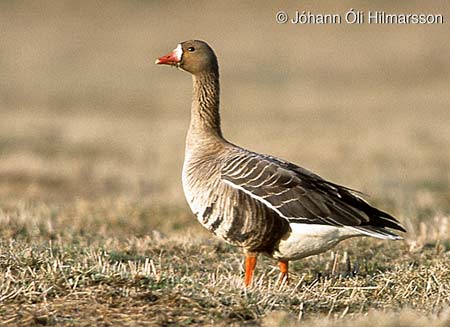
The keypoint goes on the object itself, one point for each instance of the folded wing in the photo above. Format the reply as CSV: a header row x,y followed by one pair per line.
x,y
303,197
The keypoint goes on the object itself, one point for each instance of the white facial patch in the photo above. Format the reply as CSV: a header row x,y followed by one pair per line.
x,y
178,52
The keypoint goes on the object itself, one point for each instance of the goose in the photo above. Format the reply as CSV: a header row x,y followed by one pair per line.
x,y
261,203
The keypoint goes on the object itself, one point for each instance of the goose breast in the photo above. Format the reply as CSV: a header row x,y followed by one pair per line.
x,y
229,213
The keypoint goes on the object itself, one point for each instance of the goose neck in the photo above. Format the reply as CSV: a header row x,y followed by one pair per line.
x,y
205,116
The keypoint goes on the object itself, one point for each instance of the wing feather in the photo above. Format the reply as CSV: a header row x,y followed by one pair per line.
x,y
301,196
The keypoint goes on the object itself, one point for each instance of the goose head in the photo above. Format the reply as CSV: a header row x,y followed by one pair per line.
x,y
193,56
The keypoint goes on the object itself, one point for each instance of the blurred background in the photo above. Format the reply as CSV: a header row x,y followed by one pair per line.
x,y
85,113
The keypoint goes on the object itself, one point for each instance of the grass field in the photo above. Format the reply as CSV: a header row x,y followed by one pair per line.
x,y
94,226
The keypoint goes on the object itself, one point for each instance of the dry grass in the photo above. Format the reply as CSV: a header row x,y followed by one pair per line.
x,y
91,263
94,226
109,262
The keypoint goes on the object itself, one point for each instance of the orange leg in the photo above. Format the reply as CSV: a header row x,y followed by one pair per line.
x,y
284,271
250,264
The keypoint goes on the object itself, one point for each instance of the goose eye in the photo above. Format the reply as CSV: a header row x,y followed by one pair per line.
x,y
191,49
